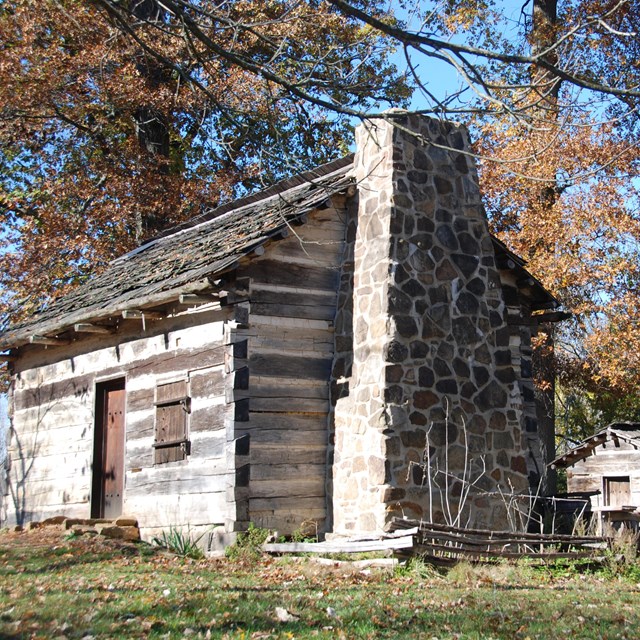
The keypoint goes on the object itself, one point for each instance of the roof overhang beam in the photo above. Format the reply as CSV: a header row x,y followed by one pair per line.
x,y
48,341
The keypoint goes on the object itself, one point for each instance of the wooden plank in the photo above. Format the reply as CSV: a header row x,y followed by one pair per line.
x,y
179,360
313,312
140,457
286,504
316,348
287,522
610,464
284,437
48,341
87,327
57,492
274,365
491,544
584,484
181,479
428,528
290,405
299,487
59,467
139,484
171,426
296,304
207,384
78,387
461,554
268,328
23,467
48,442
37,513
140,314
141,425
168,392
139,399
52,419
209,418
291,323
112,462
274,272
274,470
191,510
300,423
270,388
308,254
300,295
266,454
208,446
322,227
337,546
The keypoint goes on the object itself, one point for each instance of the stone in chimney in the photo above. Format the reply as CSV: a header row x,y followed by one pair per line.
x,y
431,391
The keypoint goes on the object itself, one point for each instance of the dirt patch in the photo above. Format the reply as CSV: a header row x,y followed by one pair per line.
x,y
56,536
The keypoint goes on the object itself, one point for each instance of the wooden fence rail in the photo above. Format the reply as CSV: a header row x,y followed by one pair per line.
x,y
443,544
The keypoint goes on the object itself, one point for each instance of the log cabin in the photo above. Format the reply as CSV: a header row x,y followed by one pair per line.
x,y
306,354
605,469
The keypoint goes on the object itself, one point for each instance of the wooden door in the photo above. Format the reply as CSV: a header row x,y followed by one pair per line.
x,y
108,473
617,491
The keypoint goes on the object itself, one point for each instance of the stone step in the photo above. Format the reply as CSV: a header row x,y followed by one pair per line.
x,y
121,528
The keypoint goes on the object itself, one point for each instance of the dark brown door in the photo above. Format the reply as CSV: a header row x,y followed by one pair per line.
x,y
108,471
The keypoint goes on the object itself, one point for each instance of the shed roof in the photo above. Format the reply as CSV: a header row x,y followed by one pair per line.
x,y
211,244
626,431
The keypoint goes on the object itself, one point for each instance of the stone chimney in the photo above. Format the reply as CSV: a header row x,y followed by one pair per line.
x,y
431,405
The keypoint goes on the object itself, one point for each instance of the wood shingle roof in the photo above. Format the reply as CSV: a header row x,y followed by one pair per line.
x,y
208,244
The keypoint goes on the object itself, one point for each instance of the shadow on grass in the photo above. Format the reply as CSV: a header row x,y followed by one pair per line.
x,y
40,561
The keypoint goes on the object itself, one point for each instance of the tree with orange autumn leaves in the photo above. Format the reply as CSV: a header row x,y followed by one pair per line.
x,y
119,118
561,188
103,143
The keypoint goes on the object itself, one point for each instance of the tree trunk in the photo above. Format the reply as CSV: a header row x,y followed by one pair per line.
x,y
544,118
152,127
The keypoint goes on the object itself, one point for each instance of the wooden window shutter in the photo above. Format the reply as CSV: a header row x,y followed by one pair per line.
x,y
173,405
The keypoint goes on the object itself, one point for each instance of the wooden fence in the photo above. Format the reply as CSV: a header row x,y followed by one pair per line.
x,y
442,544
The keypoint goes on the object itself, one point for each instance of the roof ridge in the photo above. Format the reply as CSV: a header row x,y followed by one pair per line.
x,y
274,192
277,190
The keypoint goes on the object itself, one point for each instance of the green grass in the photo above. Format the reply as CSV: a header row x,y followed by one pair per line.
x,y
75,588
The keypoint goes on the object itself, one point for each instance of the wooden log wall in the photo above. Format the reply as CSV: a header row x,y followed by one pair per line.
x,y
53,404
290,335
517,337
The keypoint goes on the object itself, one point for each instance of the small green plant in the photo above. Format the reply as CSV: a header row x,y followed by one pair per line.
x,y
301,536
248,544
417,568
180,542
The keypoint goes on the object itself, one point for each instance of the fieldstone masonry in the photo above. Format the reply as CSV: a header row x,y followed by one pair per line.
x,y
432,378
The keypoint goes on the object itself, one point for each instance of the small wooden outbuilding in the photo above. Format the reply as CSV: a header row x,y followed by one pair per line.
x,y
605,468
294,357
